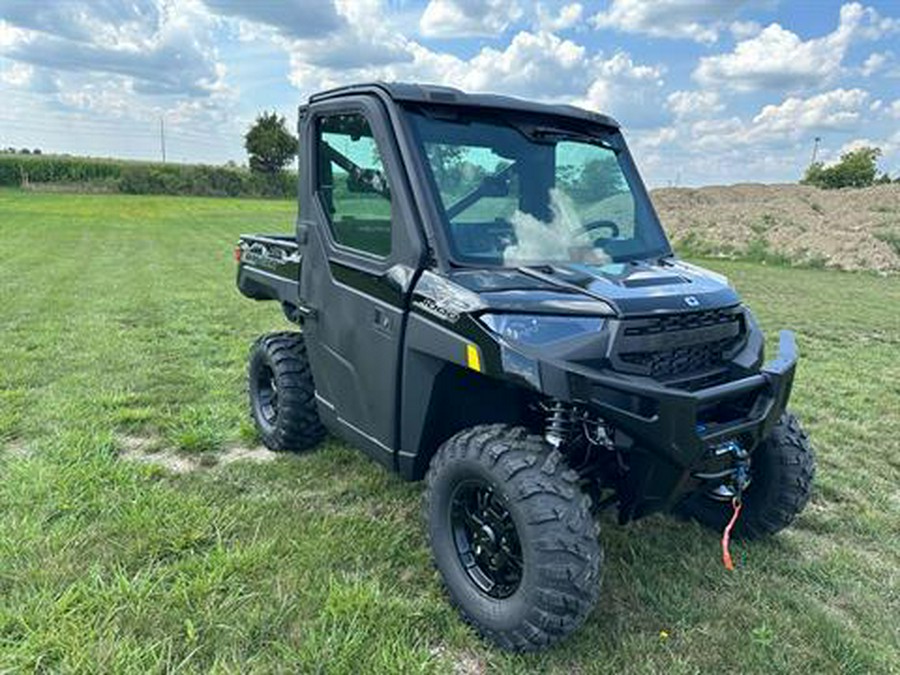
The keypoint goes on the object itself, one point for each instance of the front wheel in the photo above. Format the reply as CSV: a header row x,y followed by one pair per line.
x,y
782,472
513,536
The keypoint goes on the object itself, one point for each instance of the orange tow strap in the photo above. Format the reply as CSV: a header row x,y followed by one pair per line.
x,y
726,535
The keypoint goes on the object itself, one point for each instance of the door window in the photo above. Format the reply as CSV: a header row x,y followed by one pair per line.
x,y
352,184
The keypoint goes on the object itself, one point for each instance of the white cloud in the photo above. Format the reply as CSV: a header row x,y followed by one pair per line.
x,y
534,64
656,138
876,62
894,110
698,20
9,34
741,30
467,18
158,51
363,43
626,90
27,77
567,17
539,65
84,76
841,109
81,20
293,18
779,59
792,120
18,74
773,143
692,104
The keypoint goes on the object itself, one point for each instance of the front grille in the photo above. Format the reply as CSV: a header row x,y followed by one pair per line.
x,y
678,322
675,345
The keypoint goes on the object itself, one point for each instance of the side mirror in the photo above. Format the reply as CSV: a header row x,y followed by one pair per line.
x,y
495,186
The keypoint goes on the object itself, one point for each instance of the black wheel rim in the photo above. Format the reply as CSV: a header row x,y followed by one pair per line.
x,y
486,539
267,395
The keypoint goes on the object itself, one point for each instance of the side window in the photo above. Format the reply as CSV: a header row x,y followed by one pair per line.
x,y
352,184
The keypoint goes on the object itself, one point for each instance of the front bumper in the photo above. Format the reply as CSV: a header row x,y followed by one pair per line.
x,y
674,432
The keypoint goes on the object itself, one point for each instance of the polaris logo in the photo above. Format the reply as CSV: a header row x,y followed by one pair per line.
x,y
691,301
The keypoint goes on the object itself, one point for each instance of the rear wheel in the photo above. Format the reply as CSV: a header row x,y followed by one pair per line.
x,y
782,472
513,536
282,393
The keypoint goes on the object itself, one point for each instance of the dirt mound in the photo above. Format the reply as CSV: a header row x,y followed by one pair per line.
x,y
853,229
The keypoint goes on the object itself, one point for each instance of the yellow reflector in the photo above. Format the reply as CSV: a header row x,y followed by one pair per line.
x,y
472,358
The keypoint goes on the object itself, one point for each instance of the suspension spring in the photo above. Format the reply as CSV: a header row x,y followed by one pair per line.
x,y
559,423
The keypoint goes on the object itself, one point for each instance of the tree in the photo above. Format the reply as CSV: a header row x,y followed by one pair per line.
x,y
269,143
596,180
856,168
445,161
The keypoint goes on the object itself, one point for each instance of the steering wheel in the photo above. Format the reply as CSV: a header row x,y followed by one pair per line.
x,y
587,231
602,225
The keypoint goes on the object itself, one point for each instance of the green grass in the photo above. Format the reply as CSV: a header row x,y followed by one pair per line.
x,y
119,320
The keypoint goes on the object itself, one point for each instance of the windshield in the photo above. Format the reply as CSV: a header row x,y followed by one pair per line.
x,y
519,191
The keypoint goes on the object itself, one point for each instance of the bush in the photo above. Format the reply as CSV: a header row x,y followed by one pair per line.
x,y
856,168
22,169
213,181
145,177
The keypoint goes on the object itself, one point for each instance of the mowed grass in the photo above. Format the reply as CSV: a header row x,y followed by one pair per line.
x,y
119,320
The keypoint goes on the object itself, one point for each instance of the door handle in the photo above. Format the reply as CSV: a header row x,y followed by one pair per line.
x,y
302,231
381,320
307,312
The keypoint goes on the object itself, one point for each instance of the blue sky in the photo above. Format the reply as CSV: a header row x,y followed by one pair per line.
x,y
708,91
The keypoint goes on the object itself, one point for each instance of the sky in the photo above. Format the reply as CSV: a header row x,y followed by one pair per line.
x,y
707,91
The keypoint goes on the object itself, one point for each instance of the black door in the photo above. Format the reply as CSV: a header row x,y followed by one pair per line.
x,y
357,263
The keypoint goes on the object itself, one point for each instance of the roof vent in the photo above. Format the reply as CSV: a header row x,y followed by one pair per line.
x,y
442,96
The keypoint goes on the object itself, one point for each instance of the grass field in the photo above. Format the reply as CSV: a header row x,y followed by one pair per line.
x,y
121,332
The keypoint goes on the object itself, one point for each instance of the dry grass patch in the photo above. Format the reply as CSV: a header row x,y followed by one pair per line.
x,y
150,450
17,449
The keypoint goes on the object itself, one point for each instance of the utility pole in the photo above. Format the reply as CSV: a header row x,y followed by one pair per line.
x,y
815,151
162,136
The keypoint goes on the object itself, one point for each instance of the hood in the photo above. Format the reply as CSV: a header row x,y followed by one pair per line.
x,y
631,288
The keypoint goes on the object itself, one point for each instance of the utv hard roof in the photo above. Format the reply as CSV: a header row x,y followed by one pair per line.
x,y
430,93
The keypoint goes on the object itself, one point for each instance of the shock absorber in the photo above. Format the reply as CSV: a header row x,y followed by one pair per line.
x,y
559,422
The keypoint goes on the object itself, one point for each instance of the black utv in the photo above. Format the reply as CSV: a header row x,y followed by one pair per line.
x,y
487,301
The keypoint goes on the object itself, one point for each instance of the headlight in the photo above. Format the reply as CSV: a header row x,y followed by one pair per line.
x,y
535,329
